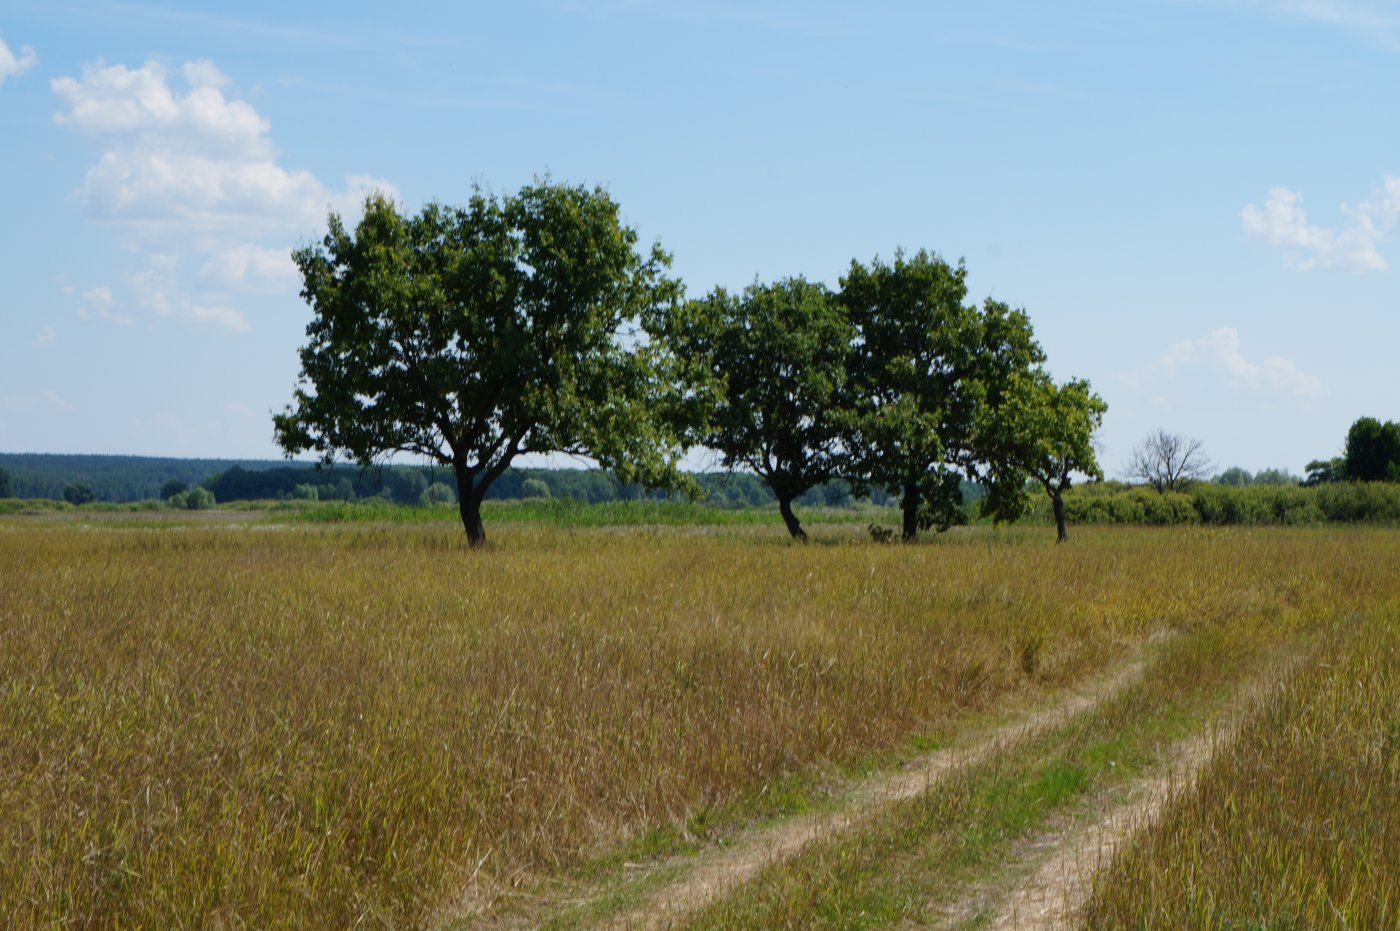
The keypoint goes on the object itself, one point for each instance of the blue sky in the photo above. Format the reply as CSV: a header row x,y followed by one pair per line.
x,y
1195,200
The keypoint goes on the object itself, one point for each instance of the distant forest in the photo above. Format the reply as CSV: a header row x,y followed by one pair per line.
x,y
139,478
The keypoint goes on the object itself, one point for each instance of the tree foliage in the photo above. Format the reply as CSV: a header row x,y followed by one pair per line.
x,y
79,494
1039,431
471,335
922,366
5,488
1372,452
1168,461
771,363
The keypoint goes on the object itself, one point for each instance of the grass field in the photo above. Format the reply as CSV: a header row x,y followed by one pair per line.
x,y
244,721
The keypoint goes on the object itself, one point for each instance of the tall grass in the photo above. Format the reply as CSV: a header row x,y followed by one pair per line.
x,y
1296,825
330,725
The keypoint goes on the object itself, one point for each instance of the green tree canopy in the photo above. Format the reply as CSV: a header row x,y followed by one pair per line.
x,y
79,493
1372,452
534,488
1274,477
1234,476
472,335
922,366
774,362
5,489
1325,471
1042,431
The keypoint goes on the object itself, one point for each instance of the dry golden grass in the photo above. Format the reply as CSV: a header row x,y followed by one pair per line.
x,y
320,727
1296,825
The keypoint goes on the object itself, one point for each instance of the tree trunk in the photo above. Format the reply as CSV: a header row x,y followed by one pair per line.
x,y
469,506
910,505
794,526
1058,502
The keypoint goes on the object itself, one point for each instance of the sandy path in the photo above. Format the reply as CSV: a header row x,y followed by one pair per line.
x,y
716,872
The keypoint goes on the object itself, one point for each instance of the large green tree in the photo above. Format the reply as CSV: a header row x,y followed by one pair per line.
x,y
922,366
774,362
1372,452
472,335
1041,431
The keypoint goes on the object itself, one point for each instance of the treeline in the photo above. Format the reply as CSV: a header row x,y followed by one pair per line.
x,y
141,478
417,485
110,478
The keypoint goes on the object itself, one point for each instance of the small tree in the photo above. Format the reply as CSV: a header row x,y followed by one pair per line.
x,y
1274,477
534,488
1325,471
435,494
199,499
1234,477
1168,461
773,361
469,336
171,488
79,494
1042,431
305,492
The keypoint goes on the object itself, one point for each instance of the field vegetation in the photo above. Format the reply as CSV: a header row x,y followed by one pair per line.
x,y
254,723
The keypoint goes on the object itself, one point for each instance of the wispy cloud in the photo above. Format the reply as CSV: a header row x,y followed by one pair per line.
x,y
1354,245
1221,350
12,65
191,177
47,337
1373,22
99,304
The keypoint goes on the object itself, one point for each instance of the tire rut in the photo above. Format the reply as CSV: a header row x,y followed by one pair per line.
x,y
710,875
1064,863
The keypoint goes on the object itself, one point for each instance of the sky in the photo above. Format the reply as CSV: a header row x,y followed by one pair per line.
x,y
1196,201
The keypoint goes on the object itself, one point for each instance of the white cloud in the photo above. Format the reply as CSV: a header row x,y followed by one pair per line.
x,y
191,177
159,289
1282,375
192,162
251,268
1222,348
1283,222
10,66
100,305
47,336
225,317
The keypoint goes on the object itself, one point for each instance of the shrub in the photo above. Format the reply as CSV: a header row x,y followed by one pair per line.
x,y
437,493
199,499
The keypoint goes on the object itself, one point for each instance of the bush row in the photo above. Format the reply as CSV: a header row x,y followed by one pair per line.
x,y
1222,505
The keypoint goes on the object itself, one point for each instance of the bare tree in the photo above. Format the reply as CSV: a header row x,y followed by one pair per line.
x,y
1168,461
